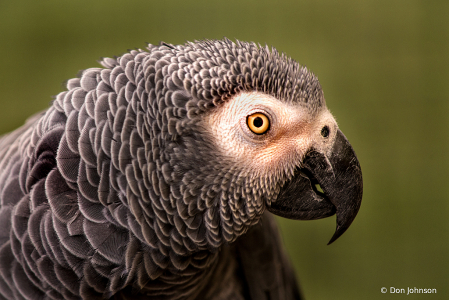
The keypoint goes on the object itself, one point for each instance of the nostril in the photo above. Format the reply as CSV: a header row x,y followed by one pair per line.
x,y
325,131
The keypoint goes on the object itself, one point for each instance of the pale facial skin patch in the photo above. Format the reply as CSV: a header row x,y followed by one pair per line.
x,y
292,132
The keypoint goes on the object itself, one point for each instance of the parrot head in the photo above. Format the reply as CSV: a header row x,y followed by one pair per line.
x,y
245,129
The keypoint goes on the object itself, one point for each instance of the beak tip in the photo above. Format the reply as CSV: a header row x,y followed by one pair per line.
x,y
338,232
344,220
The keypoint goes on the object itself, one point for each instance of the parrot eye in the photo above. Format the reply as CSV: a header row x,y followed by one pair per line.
x,y
325,131
258,123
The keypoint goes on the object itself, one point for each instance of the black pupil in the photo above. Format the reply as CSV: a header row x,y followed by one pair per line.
x,y
325,131
258,122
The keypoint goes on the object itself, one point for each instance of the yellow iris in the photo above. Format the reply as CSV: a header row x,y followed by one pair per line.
x,y
258,123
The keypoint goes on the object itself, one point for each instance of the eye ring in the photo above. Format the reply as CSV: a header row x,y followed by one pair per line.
x,y
258,123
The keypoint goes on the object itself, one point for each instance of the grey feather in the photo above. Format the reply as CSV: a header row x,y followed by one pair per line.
x,y
115,191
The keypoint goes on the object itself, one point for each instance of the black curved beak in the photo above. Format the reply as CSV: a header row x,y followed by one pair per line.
x,y
325,185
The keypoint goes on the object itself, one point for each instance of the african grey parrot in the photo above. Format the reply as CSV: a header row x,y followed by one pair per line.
x,y
150,178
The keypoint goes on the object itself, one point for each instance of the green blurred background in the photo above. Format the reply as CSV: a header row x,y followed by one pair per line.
x,y
384,68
